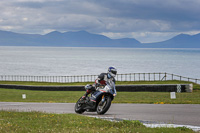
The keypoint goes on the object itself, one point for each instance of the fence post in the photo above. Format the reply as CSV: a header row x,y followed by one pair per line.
x,y
139,76
149,77
159,76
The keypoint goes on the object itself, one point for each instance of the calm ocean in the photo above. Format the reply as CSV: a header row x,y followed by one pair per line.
x,y
67,61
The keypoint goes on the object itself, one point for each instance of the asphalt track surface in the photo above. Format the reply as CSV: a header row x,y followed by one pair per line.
x,y
184,114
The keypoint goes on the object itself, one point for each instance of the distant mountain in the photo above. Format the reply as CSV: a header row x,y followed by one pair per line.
x,y
179,41
67,39
86,39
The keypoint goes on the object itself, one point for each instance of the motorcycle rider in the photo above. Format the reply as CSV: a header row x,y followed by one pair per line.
x,y
101,81
105,77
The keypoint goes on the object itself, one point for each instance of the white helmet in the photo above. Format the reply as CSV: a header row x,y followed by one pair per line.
x,y
112,71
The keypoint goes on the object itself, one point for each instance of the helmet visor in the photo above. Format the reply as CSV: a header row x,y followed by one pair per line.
x,y
114,72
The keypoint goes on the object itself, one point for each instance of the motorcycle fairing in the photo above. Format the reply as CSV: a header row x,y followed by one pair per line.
x,y
96,95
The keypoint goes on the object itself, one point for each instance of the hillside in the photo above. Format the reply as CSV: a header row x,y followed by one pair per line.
x,y
86,39
67,39
179,41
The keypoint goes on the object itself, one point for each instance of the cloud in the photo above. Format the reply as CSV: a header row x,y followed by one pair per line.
x,y
143,37
152,18
155,9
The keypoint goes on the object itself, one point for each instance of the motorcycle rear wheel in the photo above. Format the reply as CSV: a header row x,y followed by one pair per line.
x,y
78,107
103,108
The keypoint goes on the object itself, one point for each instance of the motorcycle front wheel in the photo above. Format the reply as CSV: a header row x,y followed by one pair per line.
x,y
102,108
78,107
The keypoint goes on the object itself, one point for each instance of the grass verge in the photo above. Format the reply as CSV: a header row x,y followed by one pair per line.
x,y
15,95
35,122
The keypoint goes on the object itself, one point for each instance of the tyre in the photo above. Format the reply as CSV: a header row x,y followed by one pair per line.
x,y
78,107
103,108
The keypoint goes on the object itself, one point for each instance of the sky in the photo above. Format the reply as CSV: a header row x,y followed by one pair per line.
x,y
145,20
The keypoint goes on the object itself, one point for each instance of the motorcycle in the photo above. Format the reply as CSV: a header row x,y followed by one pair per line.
x,y
103,97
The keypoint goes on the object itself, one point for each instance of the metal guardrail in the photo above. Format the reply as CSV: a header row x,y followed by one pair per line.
x,y
91,78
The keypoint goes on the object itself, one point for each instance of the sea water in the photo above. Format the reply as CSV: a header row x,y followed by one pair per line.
x,y
70,61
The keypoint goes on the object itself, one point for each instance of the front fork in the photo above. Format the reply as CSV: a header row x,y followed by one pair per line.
x,y
103,99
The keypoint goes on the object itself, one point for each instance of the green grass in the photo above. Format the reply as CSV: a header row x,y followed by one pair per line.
x,y
35,122
15,95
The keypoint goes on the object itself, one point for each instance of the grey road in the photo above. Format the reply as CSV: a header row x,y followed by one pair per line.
x,y
185,114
